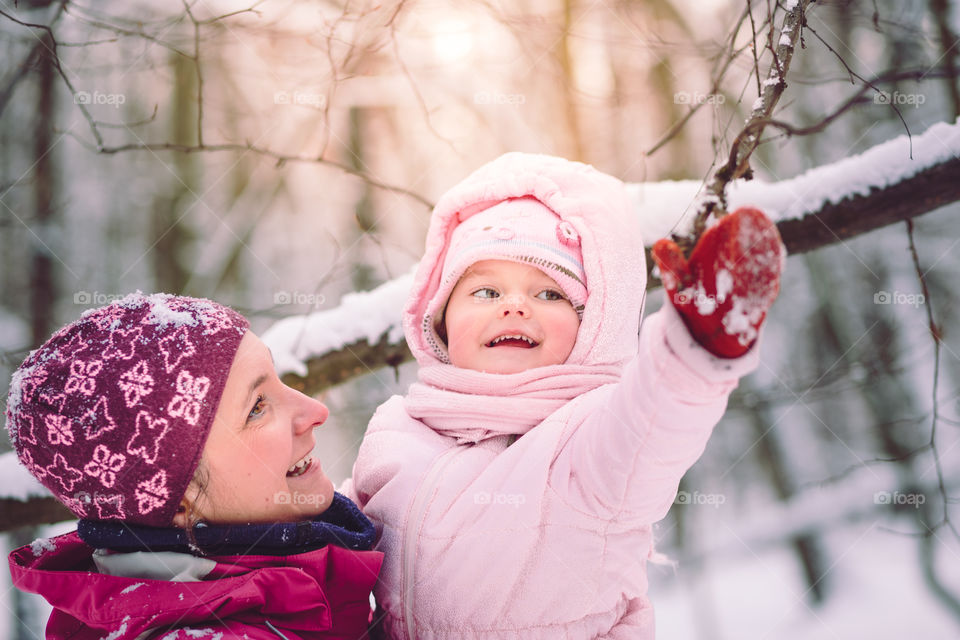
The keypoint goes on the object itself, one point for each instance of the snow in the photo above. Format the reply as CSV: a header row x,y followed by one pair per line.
x,y
364,315
118,633
785,40
42,545
724,285
133,588
669,206
663,208
17,482
163,315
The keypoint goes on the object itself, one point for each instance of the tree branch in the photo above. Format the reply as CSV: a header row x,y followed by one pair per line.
x,y
747,140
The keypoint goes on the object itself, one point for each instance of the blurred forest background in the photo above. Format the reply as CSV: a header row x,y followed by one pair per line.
x,y
276,155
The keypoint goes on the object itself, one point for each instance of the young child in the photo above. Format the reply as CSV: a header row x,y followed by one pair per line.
x,y
515,485
160,422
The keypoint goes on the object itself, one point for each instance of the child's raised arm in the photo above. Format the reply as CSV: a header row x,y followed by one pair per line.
x,y
631,452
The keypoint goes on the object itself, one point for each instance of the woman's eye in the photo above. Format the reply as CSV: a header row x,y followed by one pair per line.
x,y
258,409
486,293
550,294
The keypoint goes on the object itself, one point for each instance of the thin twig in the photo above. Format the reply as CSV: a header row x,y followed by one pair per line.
x,y
935,334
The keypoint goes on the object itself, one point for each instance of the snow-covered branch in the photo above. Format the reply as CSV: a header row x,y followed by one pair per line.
x,y
820,207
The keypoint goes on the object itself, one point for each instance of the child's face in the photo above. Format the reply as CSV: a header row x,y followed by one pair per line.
x,y
499,298
262,430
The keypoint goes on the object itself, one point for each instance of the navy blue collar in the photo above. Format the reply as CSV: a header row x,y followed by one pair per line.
x,y
342,524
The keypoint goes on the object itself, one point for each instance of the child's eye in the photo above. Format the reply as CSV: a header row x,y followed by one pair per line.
x,y
551,294
485,292
259,407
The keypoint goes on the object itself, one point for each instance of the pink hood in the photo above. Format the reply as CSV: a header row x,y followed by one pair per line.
x,y
520,505
595,204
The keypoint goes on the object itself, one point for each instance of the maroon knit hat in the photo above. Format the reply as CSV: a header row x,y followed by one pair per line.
x,y
112,412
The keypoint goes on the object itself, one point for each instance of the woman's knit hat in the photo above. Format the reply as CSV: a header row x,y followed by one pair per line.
x,y
112,413
521,230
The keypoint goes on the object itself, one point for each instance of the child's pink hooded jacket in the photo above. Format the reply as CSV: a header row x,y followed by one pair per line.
x,y
520,505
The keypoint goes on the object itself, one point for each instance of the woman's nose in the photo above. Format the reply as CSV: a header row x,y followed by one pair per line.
x,y
310,414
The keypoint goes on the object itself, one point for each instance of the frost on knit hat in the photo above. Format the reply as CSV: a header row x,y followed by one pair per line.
x,y
521,230
112,412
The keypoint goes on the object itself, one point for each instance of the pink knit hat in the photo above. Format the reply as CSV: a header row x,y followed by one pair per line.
x,y
112,412
521,230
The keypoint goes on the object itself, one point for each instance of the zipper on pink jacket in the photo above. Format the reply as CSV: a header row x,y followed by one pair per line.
x,y
417,515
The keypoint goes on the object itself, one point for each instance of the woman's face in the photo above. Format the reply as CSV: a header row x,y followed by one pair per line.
x,y
257,458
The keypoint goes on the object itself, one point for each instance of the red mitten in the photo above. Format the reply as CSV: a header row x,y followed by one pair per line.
x,y
724,290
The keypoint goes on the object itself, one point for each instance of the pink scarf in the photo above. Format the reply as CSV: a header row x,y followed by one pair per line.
x,y
472,406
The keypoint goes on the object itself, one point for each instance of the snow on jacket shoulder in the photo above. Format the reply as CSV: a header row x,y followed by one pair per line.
x,y
521,505
318,594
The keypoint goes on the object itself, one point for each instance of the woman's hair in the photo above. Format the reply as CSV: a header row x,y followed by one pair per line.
x,y
200,482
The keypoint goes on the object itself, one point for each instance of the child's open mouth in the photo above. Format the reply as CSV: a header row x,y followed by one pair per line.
x,y
516,340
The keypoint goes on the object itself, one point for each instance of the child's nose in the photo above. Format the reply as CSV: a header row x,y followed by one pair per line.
x,y
517,304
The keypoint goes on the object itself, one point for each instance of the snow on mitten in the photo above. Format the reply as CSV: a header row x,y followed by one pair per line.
x,y
724,290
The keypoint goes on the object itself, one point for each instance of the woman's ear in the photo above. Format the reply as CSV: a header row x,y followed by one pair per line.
x,y
182,516
187,514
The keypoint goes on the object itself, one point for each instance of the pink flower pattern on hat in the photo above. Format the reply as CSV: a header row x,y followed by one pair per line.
x,y
122,343
97,421
109,507
111,414
148,436
105,465
66,475
59,430
190,393
152,493
136,383
83,377
176,347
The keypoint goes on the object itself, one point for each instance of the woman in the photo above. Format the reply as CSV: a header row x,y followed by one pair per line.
x,y
160,422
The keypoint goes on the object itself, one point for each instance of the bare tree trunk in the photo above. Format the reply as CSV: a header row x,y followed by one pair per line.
x,y
43,282
948,45
808,547
170,235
